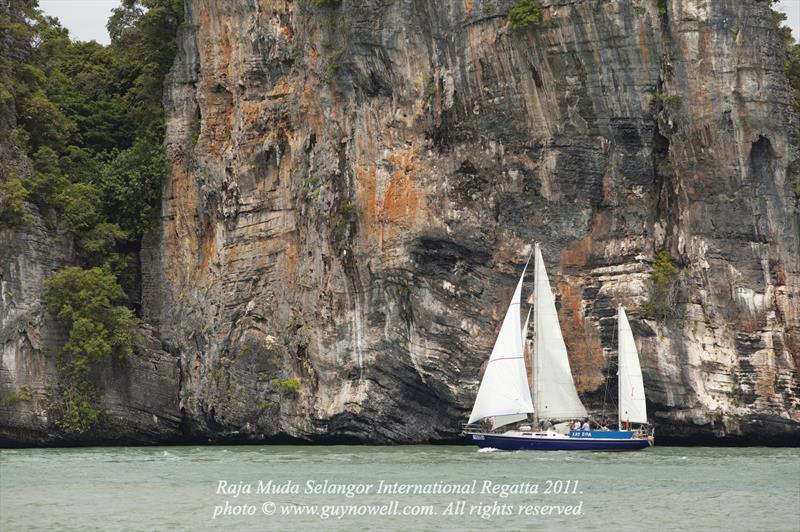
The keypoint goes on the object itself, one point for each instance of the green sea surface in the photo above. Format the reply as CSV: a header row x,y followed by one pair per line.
x,y
398,488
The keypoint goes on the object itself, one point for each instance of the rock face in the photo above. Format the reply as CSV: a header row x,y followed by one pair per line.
x,y
140,394
354,190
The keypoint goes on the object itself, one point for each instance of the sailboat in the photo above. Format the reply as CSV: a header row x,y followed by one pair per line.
x,y
505,397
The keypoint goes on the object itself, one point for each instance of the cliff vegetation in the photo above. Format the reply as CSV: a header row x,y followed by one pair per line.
x,y
91,120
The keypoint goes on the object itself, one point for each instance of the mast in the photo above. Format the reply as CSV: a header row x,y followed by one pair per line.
x,y
535,350
619,367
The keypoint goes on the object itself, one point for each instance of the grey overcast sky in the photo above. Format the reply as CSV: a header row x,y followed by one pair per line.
x,y
792,10
86,19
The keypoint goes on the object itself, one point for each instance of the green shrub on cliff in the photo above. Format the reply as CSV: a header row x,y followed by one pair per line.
x,y
11,399
661,303
334,63
12,203
80,207
290,385
793,172
321,4
74,409
47,181
525,15
80,212
347,215
89,304
131,184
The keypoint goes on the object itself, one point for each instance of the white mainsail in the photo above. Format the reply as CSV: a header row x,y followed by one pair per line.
x,y
504,392
631,387
499,421
554,393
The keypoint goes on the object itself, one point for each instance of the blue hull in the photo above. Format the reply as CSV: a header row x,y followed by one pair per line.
x,y
610,442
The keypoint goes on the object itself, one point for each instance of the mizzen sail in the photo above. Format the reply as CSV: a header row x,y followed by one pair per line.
x,y
631,387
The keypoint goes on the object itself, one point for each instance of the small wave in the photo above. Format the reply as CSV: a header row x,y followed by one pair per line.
x,y
487,450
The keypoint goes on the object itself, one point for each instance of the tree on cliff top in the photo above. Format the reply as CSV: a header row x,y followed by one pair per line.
x,y
790,55
95,110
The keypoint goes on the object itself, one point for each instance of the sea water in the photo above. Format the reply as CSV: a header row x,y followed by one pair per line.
x,y
398,488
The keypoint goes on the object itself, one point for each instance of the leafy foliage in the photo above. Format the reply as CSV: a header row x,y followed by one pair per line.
x,y
321,4
89,304
12,203
131,184
48,181
661,302
525,15
75,408
790,55
95,239
347,216
24,394
791,64
92,114
80,207
290,385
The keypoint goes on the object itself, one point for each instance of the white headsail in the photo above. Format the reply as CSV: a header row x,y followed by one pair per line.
x,y
504,392
631,387
555,396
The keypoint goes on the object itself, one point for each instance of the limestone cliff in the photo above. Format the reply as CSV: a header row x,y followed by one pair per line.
x,y
140,395
367,180
354,189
